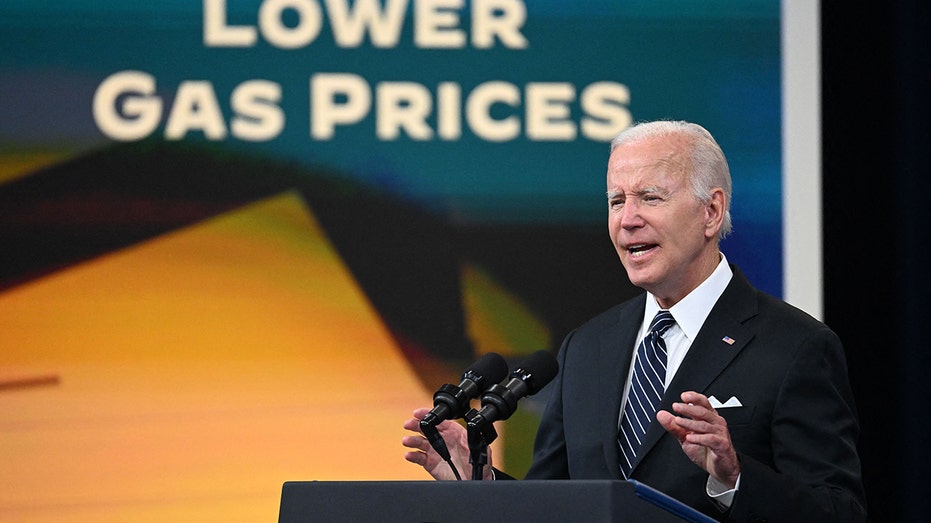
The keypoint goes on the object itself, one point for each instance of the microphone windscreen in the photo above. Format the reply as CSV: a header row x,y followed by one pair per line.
x,y
537,370
491,367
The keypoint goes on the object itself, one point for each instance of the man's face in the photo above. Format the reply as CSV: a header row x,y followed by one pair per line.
x,y
665,237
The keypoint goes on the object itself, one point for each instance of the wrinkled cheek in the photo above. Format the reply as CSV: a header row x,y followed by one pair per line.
x,y
623,255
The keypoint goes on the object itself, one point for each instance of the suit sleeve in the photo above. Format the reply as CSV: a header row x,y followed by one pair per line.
x,y
550,460
815,474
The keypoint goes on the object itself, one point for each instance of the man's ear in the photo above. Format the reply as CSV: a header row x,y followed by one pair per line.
x,y
714,212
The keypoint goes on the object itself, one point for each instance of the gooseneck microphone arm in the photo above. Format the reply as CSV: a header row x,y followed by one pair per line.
x,y
481,435
451,402
500,402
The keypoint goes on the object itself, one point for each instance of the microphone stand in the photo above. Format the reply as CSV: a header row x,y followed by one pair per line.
x,y
480,434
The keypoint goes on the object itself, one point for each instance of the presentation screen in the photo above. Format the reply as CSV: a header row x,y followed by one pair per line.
x,y
243,239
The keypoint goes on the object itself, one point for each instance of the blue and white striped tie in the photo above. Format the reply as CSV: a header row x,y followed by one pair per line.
x,y
646,389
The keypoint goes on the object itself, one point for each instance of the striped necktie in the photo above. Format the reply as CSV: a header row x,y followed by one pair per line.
x,y
646,389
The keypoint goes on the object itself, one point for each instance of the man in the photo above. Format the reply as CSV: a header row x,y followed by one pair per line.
x,y
755,418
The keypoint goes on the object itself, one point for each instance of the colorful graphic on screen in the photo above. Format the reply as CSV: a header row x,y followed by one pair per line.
x,y
244,239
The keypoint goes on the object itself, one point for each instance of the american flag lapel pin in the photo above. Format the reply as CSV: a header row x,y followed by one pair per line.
x,y
728,340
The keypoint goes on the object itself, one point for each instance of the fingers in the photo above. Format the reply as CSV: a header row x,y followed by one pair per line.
x,y
417,458
420,455
670,423
704,436
413,424
416,442
699,401
698,408
695,422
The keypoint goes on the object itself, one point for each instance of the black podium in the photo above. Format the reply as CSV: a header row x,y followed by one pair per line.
x,y
485,501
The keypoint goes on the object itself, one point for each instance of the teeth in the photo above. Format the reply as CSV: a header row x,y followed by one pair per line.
x,y
637,250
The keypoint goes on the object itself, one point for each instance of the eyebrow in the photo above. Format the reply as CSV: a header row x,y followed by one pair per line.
x,y
650,189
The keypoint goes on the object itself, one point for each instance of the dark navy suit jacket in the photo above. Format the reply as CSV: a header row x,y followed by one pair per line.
x,y
795,433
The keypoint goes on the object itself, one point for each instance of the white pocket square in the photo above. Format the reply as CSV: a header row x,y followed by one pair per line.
x,y
732,402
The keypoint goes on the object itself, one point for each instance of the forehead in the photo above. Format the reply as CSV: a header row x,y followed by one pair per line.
x,y
655,161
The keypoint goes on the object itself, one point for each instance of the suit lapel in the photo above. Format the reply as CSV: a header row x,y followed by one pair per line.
x,y
710,354
615,351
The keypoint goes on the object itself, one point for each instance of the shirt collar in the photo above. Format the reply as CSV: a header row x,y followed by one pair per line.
x,y
690,312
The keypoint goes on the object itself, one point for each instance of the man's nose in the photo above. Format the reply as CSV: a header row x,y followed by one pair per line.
x,y
630,216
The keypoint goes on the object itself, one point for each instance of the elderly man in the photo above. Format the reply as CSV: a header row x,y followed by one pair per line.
x,y
725,398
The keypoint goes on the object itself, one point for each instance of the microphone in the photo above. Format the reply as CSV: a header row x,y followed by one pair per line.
x,y
451,402
500,401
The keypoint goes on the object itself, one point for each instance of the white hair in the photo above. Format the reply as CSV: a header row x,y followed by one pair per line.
x,y
708,168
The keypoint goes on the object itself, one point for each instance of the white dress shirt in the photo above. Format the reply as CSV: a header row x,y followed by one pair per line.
x,y
690,314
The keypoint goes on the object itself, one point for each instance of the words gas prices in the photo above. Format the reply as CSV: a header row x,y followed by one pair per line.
x,y
127,105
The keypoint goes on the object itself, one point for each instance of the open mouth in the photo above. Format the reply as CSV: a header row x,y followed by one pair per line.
x,y
640,249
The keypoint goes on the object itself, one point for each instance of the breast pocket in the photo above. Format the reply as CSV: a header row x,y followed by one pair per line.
x,y
736,416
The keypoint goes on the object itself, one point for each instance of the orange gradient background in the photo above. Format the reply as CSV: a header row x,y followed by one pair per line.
x,y
187,377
